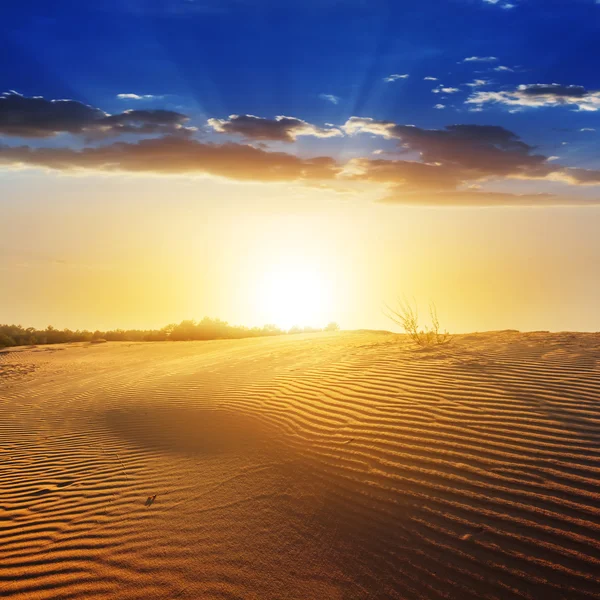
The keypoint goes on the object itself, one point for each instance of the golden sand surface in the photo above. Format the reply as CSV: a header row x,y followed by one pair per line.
x,y
318,466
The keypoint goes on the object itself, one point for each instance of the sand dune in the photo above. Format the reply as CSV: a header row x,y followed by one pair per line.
x,y
325,466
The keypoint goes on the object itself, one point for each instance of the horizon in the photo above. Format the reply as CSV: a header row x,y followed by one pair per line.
x,y
300,164
393,328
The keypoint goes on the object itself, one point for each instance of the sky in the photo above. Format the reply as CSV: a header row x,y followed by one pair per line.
x,y
300,162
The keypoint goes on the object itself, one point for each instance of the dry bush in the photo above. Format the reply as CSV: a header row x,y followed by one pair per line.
x,y
408,318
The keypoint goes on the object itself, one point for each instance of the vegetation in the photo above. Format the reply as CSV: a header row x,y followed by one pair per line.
x,y
408,318
206,329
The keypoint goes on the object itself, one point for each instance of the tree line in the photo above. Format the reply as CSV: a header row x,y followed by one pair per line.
x,y
206,329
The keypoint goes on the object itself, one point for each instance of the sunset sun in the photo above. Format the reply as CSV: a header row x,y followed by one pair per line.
x,y
295,294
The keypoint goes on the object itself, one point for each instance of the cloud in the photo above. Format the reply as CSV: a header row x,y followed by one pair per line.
x,y
451,160
440,106
473,153
438,184
486,148
281,129
500,4
430,78
477,83
576,176
330,98
541,95
410,175
143,122
502,68
589,128
395,77
176,155
368,125
138,97
480,59
36,117
445,90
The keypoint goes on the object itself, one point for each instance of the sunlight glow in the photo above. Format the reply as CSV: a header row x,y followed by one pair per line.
x,y
295,293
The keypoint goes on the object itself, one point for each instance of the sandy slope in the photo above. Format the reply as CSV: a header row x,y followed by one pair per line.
x,y
342,466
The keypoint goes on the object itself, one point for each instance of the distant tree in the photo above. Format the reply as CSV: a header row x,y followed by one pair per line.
x,y
5,340
271,329
333,326
155,336
206,329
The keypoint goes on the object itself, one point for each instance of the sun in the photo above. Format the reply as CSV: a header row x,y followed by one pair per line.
x,y
295,293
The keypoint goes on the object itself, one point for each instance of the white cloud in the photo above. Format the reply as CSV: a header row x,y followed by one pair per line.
x,y
330,98
395,77
504,5
445,90
138,97
440,106
480,59
589,128
368,125
540,95
478,83
502,68
430,78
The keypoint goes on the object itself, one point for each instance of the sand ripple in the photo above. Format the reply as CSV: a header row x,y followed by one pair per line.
x,y
342,466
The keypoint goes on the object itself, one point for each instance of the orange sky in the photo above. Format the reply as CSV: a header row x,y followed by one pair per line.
x,y
141,251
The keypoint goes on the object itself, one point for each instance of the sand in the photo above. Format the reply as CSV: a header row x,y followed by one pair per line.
x,y
322,466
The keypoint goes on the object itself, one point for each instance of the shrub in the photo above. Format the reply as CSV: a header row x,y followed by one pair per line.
x,y
408,318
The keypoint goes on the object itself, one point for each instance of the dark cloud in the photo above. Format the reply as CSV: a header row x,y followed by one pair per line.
x,y
36,117
473,151
177,155
144,122
456,157
579,176
453,160
281,129
488,150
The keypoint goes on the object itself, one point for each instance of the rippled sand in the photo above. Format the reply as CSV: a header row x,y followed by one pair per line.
x,y
325,466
